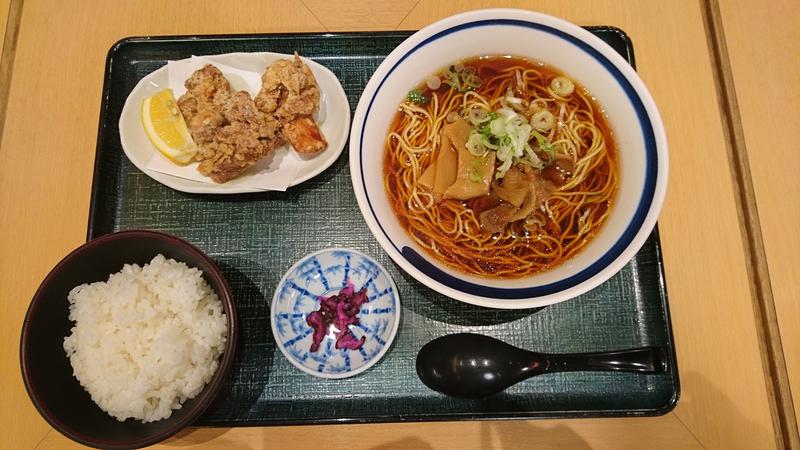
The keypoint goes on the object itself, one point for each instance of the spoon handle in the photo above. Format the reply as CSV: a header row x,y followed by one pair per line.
x,y
646,360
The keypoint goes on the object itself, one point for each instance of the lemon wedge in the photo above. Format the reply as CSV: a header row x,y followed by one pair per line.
x,y
166,128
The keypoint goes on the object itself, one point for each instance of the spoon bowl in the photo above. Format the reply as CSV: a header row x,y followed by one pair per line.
x,y
472,365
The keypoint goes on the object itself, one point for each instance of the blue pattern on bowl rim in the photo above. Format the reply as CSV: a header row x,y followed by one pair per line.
x,y
630,232
325,273
617,249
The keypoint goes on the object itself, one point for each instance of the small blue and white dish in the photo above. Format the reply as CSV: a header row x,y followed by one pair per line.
x,y
326,273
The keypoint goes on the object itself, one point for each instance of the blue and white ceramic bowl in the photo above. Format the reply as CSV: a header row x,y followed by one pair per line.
x,y
325,273
631,112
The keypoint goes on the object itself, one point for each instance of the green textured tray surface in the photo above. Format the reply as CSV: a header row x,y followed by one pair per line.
x,y
255,238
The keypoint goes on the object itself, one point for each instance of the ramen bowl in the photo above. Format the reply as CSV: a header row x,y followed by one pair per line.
x,y
629,110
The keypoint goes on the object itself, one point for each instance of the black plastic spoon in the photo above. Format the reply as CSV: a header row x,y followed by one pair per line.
x,y
473,365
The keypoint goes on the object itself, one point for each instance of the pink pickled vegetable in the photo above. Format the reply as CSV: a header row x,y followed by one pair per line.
x,y
347,340
315,319
342,311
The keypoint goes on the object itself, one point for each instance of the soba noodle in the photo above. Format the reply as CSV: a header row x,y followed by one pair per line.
x,y
451,229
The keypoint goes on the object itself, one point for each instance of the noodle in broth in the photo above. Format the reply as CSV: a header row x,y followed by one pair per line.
x,y
450,229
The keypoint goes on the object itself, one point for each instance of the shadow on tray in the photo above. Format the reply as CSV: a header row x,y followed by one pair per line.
x,y
256,347
441,308
292,195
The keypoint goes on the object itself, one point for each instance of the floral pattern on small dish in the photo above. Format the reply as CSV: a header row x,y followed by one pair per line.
x,y
325,273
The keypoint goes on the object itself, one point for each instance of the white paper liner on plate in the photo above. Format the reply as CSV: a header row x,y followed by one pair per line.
x,y
275,172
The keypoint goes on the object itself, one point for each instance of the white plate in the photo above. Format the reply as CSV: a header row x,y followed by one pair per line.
x,y
334,118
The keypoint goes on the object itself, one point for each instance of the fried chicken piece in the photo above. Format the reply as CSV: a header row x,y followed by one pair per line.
x,y
304,135
248,136
231,133
202,116
206,83
239,108
290,92
236,147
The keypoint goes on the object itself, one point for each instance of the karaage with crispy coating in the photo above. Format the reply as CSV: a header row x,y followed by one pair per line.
x,y
290,92
230,132
233,131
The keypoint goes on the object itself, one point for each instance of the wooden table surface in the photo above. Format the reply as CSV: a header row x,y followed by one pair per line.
x,y
725,77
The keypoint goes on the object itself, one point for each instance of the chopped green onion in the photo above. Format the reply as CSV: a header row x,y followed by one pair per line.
x,y
475,144
497,127
562,86
471,80
543,120
545,145
537,105
462,79
487,142
508,134
416,96
477,116
541,140
454,81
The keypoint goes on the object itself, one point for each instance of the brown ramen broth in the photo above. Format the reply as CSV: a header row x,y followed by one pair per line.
x,y
500,167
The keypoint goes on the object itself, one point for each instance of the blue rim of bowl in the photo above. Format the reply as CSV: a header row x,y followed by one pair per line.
x,y
353,372
638,219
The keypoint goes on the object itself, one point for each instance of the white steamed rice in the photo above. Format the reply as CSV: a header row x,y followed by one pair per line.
x,y
147,340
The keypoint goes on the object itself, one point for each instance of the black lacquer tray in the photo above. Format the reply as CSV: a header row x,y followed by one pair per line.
x,y
256,237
